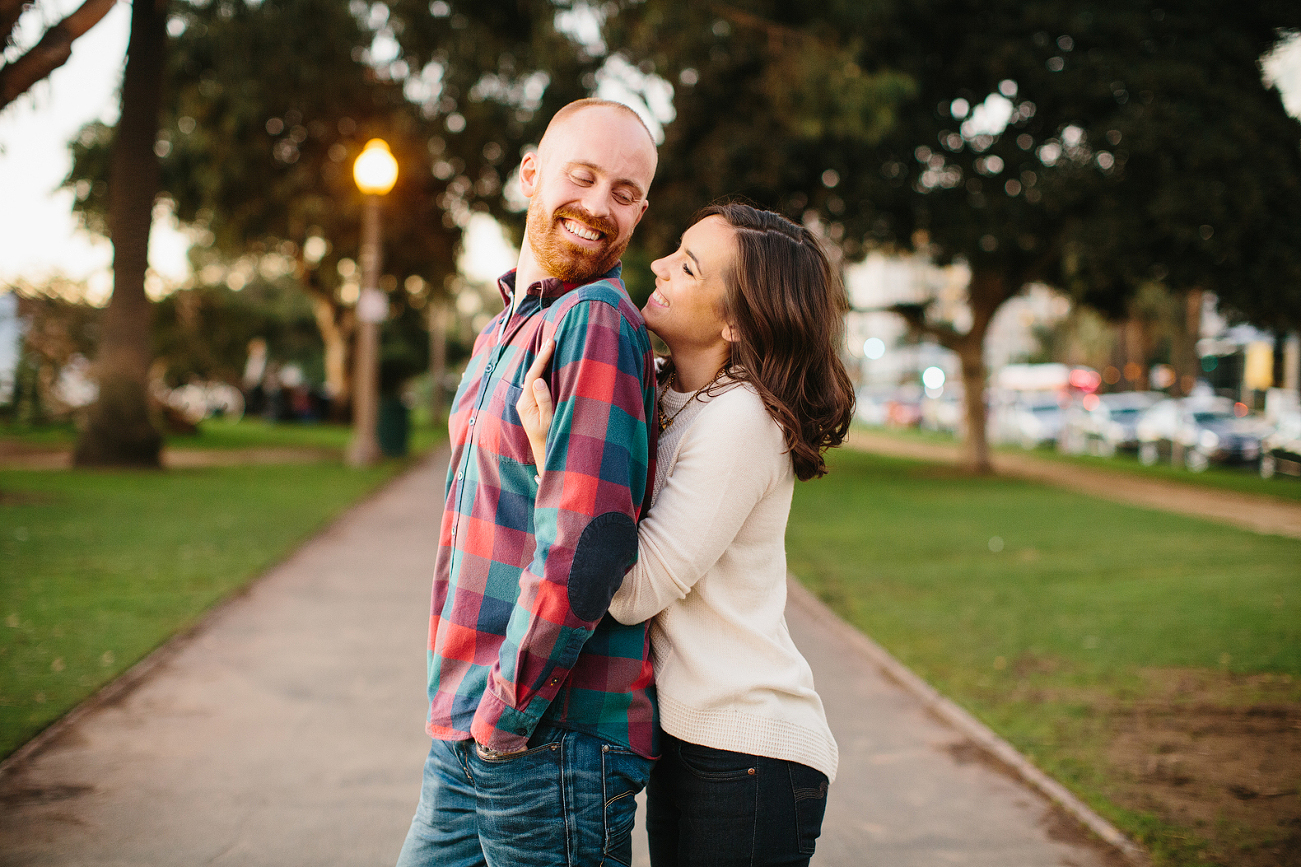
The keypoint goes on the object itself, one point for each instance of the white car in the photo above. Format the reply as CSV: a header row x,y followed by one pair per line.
x,y
1196,431
1108,424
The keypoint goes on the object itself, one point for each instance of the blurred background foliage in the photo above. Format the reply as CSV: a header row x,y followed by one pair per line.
x,y
1103,149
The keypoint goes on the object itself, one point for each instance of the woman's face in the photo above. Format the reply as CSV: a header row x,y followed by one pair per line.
x,y
686,308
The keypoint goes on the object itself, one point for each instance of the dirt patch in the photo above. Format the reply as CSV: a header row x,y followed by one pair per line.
x,y
24,795
1219,755
178,458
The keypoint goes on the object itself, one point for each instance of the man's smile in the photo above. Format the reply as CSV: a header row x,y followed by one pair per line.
x,y
581,231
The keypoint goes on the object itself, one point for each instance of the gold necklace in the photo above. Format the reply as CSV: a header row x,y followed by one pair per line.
x,y
665,421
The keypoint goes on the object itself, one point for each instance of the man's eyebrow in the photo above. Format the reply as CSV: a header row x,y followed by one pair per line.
x,y
627,182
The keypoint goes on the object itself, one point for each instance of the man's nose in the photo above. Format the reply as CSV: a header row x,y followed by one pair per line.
x,y
596,200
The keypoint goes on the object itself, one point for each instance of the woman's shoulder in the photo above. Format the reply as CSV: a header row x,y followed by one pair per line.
x,y
737,407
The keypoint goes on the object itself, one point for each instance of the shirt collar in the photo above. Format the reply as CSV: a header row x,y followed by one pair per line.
x,y
550,288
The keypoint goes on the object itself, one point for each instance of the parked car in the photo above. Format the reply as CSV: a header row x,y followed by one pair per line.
x,y
1281,450
1196,431
897,406
945,413
1106,423
1030,418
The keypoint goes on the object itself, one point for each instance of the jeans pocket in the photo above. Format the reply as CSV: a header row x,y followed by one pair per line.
x,y
707,763
809,790
544,739
623,775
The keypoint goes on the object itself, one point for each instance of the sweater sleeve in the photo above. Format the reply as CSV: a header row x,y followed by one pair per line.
x,y
727,461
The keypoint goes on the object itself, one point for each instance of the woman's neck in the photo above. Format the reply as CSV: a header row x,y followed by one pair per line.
x,y
693,370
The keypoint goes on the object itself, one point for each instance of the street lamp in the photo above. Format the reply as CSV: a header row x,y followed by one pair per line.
x,y
375,172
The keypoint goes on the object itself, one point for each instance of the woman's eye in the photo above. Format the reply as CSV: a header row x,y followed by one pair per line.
x,y
687,269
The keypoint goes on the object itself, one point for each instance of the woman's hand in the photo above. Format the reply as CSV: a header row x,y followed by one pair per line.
x,y
534,405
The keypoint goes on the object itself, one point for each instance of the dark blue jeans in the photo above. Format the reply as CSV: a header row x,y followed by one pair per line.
x,y
567,802
713,807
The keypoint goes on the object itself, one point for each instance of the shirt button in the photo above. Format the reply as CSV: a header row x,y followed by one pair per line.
x,y
488,369
460,476
472,420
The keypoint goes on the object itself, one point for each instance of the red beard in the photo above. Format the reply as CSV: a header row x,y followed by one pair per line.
x,y
561,257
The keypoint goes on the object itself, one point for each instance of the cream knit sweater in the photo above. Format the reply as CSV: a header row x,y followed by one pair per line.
x,y
711,570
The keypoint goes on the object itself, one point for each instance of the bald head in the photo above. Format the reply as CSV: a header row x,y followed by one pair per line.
x,y
568,116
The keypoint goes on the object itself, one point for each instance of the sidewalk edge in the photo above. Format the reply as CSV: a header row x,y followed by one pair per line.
x,y
980,734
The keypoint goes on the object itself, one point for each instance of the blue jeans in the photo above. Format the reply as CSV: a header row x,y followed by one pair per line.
x,y
569,801
723,809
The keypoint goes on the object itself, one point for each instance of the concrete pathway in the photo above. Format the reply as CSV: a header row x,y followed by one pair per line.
x,y
288,730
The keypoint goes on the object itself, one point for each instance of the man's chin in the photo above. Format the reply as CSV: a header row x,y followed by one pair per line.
x,y
579,266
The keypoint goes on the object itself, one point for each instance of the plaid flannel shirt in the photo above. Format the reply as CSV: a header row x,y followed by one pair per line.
x,y
518,629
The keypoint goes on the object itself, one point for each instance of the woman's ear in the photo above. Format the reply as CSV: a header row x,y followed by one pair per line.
x,y
730,333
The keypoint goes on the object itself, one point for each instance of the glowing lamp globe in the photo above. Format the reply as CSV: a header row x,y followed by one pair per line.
x,y
375,171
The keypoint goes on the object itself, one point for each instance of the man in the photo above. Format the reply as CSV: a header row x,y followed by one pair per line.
x,y
541,707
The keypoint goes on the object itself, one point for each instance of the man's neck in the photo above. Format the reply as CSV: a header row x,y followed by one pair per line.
x,y
527,272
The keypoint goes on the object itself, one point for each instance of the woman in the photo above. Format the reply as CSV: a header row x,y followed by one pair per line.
x,y
751,394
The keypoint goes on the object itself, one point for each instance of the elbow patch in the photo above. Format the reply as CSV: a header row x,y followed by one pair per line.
x,y
607,547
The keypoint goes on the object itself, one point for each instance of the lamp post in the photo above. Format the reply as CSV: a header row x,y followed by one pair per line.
x,y
375,172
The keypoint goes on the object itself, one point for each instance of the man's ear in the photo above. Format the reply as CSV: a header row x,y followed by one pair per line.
x,y
528,174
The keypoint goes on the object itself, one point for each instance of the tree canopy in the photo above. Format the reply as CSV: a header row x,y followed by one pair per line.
x,y
268,104
1079,144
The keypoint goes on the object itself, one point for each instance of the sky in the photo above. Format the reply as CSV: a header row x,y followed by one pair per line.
x,y
39,237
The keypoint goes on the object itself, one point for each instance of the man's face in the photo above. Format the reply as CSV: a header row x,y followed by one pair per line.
x,y
587,190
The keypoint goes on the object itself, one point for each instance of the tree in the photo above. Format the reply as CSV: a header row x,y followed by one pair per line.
x,y
119,430
50,52
955,130
271,102
1201,181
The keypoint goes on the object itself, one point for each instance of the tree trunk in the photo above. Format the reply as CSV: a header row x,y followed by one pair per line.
x,y
1135,369
987,292
336,326
975,451
120,431
336,323
1185,360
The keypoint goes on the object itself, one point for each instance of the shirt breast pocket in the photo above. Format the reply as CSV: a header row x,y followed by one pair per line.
x,y
506,438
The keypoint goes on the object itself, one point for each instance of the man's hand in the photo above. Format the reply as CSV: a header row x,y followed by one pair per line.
x,y
490,755
534,406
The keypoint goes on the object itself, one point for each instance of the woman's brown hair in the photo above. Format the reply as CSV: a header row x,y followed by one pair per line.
x,y
787,308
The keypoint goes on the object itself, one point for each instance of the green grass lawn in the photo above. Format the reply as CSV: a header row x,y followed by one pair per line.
x,y
99,567
246,433
1045,612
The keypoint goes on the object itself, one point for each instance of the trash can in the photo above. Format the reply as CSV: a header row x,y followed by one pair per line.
x,y
393,429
